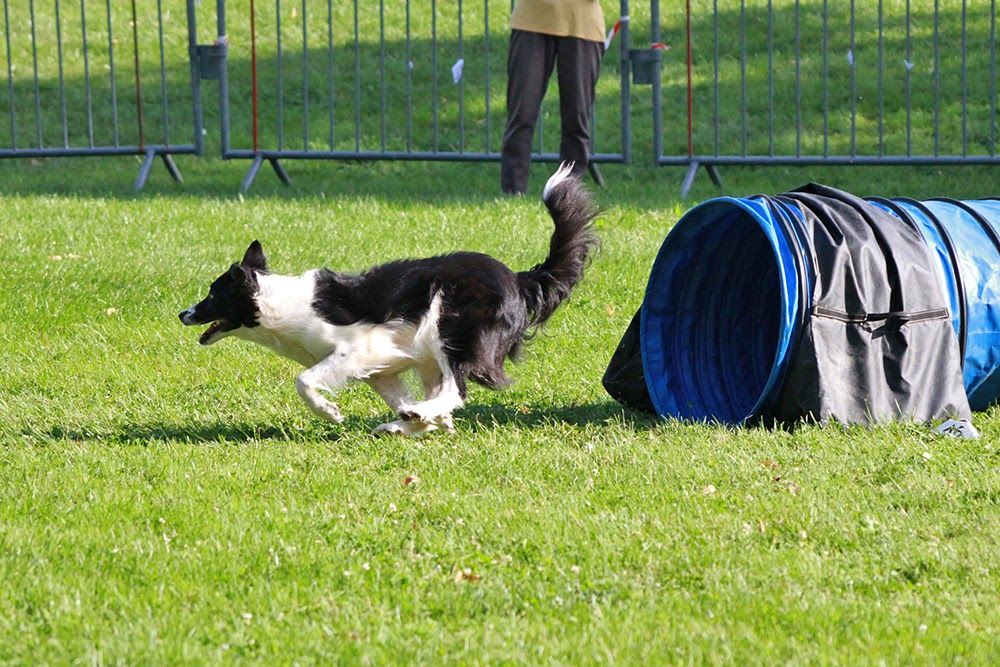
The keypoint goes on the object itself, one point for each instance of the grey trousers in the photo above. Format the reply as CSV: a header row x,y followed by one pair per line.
x,y
530,61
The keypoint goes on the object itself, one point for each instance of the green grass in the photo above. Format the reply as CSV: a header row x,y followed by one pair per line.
x,y
161,502
166,503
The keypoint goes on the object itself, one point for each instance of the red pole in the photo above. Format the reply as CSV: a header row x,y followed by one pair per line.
x,y
138,83
689,84
253,76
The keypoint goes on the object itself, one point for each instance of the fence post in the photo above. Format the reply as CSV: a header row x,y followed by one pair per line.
x,y
626,82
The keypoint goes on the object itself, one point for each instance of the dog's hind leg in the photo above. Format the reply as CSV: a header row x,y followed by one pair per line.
x,y
391,388
443,391
395,393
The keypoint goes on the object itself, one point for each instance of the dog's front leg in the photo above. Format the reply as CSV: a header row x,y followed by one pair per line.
x,y
329,375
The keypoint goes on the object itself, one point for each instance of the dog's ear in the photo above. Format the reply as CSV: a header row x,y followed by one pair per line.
x,y
238,273
254,257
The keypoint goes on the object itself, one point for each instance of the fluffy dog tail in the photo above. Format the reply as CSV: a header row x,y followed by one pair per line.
x,y
548,284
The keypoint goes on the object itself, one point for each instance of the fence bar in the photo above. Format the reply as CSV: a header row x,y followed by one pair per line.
x,y
138,77
657,92
993,76
400,155
62,81
833,160
965,83
329,68
881,80
281,77
461,85
163,75
826,77
937,79
798,79
111,66
770,79
357,81
223,41
654,11
715,76
409,81
625,35
744,93
908,84
254,105
196,108
10,77
381,72
853,62
96,151
34,60
486,54
86,71
434,74
305,76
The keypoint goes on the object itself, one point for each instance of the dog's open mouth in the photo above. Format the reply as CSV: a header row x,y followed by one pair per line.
x,y
214,328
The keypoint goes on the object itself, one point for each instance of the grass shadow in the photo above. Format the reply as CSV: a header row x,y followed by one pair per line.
x,y
194,433
472,418
485,416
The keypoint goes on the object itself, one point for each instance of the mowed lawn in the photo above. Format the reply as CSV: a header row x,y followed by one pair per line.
x,y
161,502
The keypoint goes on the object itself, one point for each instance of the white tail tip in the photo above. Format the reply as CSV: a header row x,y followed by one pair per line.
x,y
562,173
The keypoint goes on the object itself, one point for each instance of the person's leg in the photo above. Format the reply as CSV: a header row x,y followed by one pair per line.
x,y
530,60
579,65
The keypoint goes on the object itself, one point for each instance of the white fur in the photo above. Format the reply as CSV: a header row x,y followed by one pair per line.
x,y
561,174
336,355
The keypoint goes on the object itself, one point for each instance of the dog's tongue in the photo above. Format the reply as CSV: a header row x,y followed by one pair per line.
x,y
212,329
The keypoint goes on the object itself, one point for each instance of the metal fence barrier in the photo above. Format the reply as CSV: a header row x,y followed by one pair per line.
x,y
751,81
99,78
827,82
318,79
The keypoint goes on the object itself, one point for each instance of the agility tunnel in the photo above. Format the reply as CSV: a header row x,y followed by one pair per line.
x,y
816,304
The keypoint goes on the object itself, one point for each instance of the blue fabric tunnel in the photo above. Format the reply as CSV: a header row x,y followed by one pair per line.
x,y
729,300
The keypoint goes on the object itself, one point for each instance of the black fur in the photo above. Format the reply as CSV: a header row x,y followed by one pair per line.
x,y
487,309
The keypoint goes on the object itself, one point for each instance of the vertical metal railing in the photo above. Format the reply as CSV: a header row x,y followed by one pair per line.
x,y
820,82
69,110
412,81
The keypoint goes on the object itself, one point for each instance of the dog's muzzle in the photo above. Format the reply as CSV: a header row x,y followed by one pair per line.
x,y
187,317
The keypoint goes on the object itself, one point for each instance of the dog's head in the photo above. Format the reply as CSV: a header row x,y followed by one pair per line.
x,y
230,301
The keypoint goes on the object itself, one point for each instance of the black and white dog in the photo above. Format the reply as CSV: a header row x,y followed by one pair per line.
x,y
450,318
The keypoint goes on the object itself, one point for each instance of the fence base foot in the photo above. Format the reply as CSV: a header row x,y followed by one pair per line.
x,y
175,173
713,173
255,166
692,171
595,173
689,178
280,171
251,173
147,166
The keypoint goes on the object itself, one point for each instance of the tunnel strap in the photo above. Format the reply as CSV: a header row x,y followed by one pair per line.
x,y
864,318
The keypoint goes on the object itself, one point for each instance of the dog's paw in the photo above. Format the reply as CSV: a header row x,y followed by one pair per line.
x,y
404,428
332,414
419,412
329,411
446,422
412,415
390,428
409,413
